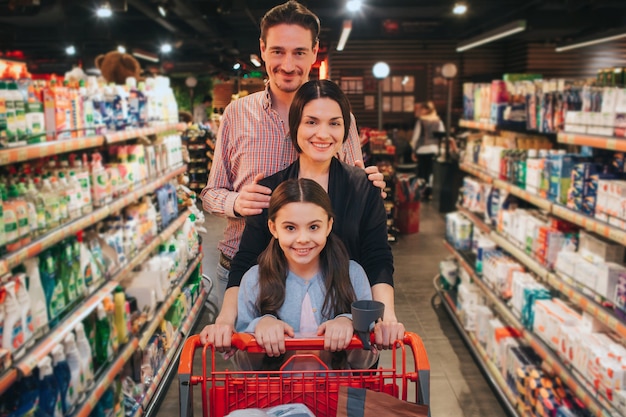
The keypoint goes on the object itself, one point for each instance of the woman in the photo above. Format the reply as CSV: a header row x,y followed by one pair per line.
x,y
319,121
424,143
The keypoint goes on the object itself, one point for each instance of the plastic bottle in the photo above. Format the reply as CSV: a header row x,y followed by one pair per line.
x,y
81,286
59,296
49,393
88,107
119,300
101,186
52,203
33,194
64,379
84,179
20,113
38,302
72,195
24,303
31,208
61,192
3,115
75,363
67,272
84,348
13,329
104,347
21,211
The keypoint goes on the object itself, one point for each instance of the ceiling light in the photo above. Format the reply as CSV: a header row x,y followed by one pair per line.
x,y
236,66
104,10
606,37
162,10
70,50
254,58
380,70
121,49
148,56
459,8
345,33
354,5
166,48
492,35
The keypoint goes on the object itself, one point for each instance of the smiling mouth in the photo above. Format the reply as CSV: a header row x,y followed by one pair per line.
x,y
321,145
303,251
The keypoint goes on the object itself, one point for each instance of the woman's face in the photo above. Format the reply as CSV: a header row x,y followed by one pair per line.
x,y
301,230
321,130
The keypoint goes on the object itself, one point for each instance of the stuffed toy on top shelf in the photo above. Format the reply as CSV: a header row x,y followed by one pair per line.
x,y
116,67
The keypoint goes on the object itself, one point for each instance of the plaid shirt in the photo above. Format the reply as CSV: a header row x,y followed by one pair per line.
x,y
252,138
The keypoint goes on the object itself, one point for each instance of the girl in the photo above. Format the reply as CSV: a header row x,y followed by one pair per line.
x,y
304,282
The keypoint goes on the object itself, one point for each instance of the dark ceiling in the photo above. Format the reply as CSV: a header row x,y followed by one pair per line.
x,y
210,35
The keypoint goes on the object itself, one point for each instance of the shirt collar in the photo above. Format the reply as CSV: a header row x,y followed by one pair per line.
x,y
267,98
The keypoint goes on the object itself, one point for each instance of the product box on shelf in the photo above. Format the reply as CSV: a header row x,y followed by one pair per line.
x,y
598,249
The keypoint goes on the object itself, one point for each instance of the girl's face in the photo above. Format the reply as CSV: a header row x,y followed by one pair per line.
x,y
321,130
301,230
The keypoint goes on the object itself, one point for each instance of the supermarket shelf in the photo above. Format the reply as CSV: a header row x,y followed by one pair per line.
x,y
155,393
33,249
602,314
107,379
147,334
28,363
471,124
589,223
520,255
556,281
492,374
596,405
477,221
124,135
41,150
601,142
116,367
476,171
540,202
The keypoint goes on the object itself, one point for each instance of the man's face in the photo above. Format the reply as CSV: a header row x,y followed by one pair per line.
x,y
288,55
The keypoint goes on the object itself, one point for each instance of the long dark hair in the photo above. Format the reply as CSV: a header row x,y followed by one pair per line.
x,y
334,259
312,90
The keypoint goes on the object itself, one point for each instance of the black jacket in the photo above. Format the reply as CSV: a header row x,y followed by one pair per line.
x,y
360,222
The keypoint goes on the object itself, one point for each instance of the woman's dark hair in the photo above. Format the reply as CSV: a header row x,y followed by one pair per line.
x,y
312,90
334,259
291,13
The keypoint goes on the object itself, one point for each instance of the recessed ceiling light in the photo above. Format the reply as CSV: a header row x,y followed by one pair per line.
x,y
354,5
70,50
121,49
459,8
166,48
104,10
236,66
162,10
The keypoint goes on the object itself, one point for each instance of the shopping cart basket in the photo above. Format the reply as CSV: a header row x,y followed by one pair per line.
x,y
226,391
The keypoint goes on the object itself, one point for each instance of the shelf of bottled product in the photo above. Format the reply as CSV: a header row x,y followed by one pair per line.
x,y
596,404
115,368
493,374
472,124
56,147
66,230
563,284
588,223
594,141
25,365
169,364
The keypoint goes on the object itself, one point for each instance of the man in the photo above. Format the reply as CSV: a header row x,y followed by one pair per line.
x,y
253,142
200,115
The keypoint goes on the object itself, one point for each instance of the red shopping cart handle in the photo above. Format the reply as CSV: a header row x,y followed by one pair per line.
x,y
247,341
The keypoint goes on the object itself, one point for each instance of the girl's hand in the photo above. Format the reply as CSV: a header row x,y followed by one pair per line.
x,y
337,333
270,334
387,332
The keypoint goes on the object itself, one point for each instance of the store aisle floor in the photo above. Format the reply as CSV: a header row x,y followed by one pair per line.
x,y
458,389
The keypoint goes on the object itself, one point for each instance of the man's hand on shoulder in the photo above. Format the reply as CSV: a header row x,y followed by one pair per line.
x,y
253,198
374,175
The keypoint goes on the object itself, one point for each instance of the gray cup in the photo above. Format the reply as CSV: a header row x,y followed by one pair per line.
x,y
365,314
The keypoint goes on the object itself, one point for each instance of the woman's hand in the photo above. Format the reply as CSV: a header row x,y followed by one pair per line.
x,y
387,332
219,335
270,335
337,333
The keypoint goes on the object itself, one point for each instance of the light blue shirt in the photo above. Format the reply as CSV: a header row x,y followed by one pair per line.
x,y
295,289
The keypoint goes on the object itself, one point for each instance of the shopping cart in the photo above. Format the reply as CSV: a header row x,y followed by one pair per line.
x,y
226,391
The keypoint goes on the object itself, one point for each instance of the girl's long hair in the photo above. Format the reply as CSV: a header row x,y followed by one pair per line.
x,y
334,260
